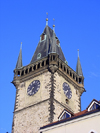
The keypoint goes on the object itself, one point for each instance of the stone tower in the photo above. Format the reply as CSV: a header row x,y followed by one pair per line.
x,y
46,86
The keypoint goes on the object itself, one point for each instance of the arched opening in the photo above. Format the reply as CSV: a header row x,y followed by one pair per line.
x,y
22,73
70,74
76,79
43,63
64,68
18,73
80,80
53,57
61,66
67,71
47,62
26,71
30,69
38,65
34,67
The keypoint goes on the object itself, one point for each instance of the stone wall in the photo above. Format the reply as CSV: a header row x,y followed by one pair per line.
x,y
73,103
31,119
23,100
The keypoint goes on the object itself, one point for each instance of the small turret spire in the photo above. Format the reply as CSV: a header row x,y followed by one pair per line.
x,y
47,19
53,24
19,61
78,52
78,67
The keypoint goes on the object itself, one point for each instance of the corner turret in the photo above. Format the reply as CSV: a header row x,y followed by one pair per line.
x,y
19,61
78,67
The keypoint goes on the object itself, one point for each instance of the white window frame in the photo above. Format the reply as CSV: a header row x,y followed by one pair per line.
x,y
89,109
63,114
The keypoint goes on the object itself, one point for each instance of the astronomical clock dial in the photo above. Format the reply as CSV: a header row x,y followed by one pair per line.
x,y
33,87
67,90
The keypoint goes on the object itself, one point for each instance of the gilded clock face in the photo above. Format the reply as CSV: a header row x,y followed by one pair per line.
x,y
67,90
33,87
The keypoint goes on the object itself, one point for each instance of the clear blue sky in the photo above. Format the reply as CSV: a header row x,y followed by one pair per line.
x,y
77,27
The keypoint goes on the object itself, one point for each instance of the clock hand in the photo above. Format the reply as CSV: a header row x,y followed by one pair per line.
x,y
66,91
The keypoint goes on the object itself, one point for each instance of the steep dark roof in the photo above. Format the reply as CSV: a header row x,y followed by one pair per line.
x,y
19,61
48,45
78,68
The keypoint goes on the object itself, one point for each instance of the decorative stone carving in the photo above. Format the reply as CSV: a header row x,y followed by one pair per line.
x,y
53,68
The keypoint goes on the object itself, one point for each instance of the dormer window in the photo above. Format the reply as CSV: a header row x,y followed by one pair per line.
x,y
66,62
39,56
57,43
65,114
94,105
42,37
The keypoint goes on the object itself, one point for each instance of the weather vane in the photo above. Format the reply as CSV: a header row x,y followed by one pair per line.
x,y
53,24
47,18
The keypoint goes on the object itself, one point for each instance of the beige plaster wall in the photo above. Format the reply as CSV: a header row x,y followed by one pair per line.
x,y
86,125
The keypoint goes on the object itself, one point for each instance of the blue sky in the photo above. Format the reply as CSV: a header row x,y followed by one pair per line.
x,y
77,27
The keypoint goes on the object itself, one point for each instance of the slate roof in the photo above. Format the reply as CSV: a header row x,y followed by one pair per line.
x,y
48,46
19,61
78,68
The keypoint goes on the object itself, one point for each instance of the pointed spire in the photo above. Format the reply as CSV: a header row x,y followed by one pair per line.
x,y
47,19
54,25
78,67
53,46
19,61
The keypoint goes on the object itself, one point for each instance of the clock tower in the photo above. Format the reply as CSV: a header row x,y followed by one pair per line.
x,y
46,86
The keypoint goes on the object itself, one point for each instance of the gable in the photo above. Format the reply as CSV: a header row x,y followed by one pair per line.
x,y
65,114
93,105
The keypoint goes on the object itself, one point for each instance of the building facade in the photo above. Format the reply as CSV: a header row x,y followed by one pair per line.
x,y
46,86
87,121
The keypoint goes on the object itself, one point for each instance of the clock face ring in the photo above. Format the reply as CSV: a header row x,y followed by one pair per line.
x,y
33,87
67,90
